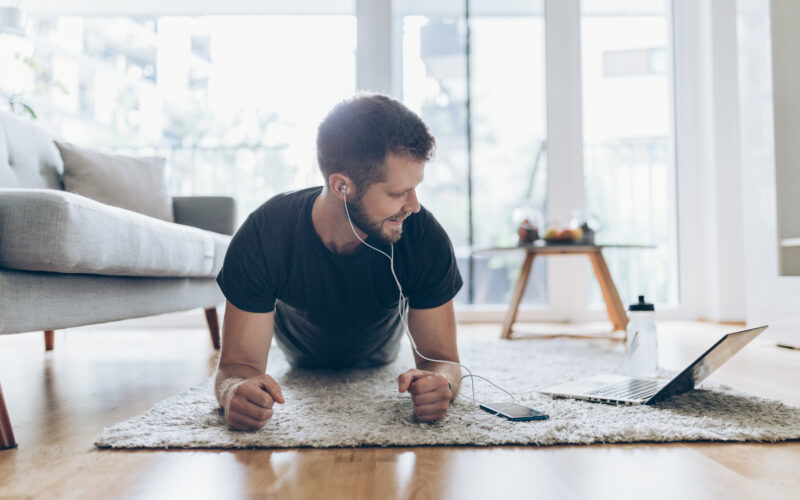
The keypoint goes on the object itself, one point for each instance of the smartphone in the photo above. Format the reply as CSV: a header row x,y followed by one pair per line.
x,y
513,411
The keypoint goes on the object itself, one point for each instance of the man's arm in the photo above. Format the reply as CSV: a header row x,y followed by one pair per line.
x,y
434,332
241,385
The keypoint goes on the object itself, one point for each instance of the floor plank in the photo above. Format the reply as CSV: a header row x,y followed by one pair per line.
x,y
61,400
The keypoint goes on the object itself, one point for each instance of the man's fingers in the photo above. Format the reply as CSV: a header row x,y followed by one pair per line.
x,y
250,421
434,407
419,381
429,392
245,423
405,379
247,409
428,398
261,390
252,402
433,382
431,416
269,384
256,395
241,406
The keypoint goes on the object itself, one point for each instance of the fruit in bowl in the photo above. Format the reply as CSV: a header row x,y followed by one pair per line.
x,y
563,235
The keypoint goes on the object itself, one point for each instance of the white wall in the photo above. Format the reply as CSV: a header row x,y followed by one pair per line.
x,y
726,216
771,299
786,96
709,167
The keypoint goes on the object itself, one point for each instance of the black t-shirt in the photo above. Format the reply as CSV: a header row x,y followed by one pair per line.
x,y
334,310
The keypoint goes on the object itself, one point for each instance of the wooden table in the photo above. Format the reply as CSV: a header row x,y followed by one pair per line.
x,y
614,306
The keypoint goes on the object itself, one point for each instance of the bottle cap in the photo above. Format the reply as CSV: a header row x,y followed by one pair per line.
x,y
641,305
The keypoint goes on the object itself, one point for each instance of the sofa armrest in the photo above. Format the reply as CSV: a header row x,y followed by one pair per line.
x,y
213,213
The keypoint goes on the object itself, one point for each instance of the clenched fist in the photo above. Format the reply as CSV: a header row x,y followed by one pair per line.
x,y
250,405
429,391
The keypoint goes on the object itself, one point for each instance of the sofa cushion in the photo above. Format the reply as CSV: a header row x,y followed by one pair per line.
x,y
50,230
28,156
138,184
31,301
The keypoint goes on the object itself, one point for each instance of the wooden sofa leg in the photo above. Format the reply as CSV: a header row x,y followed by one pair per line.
x,y
213,325
6,434
48,340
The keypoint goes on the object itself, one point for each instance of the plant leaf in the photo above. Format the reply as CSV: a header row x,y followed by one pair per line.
x,y
30,110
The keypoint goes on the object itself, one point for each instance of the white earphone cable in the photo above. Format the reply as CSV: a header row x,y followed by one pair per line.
x,y
403,305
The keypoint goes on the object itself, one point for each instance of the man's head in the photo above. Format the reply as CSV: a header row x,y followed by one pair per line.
x,y
377,148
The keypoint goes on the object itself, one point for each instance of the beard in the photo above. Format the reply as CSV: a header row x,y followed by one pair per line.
x,y
373,227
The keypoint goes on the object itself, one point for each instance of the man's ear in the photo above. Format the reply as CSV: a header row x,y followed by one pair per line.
x,y
341,185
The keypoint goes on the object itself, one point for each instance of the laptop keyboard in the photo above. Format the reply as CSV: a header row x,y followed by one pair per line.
x,y
629,389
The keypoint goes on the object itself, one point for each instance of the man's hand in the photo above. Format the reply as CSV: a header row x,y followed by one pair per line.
x,y
429,392
250,406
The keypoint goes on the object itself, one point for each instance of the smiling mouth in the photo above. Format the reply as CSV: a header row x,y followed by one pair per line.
x,y
396,221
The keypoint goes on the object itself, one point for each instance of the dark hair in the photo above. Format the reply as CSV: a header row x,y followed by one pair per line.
x,y
358,133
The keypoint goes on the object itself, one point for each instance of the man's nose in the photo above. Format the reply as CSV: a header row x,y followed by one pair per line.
x,y
411,204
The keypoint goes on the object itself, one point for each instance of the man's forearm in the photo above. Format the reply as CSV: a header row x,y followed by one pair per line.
x,y
451,372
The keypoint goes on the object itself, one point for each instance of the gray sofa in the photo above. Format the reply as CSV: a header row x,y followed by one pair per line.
x,y
67,260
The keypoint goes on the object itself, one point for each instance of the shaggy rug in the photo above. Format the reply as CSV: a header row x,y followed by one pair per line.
x,y
362,407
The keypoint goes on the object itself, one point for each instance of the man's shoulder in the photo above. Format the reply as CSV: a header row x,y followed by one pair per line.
x,y
287,204
422,225
423,218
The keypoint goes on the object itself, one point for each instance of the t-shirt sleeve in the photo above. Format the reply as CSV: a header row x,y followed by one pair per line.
x,y
435,277
244,278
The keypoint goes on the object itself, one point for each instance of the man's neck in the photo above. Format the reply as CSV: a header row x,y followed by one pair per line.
x,y
331,224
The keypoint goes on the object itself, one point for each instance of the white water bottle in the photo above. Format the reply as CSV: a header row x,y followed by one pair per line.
x,y
642,339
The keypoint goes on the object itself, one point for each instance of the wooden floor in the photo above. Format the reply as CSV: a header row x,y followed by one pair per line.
x,y
60,401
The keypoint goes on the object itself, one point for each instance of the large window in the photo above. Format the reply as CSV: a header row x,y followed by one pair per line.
x,y
223,98
629,167
490,129
233,102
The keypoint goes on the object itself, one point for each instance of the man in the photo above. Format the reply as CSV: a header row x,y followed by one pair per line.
x,y
297,269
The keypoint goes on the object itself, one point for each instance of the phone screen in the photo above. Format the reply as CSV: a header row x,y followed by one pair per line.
x,y
514,411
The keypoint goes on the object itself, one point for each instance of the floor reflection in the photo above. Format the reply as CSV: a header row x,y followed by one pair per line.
x,y
196,474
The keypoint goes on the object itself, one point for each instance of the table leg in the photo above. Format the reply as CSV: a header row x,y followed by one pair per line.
x,y
616,311
516,298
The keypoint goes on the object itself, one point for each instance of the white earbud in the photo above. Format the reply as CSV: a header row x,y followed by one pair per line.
x,y
343,189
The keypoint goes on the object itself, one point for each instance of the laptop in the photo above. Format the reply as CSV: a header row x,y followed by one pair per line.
x,y
621,390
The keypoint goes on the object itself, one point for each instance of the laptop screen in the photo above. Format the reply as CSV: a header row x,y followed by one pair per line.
x,y
712,359
724,350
